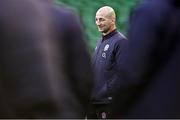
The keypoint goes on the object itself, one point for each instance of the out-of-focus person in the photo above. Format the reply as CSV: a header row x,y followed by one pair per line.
x,y
74,61
149,71
38,78
26,73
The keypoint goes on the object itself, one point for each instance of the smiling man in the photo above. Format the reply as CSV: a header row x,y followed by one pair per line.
x,y
104,62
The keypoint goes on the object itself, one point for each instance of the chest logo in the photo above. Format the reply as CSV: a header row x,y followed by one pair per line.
x,y
104,55
106,47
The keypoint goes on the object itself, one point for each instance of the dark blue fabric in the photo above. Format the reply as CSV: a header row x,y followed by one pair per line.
x,y
149,70
104,62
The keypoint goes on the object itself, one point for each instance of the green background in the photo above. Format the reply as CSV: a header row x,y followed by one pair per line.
x,y
87,10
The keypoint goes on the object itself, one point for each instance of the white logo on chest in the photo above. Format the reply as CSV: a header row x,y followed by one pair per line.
x,y
104,55
106,47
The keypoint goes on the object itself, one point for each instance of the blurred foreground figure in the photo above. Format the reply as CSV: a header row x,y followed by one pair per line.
x,y
35,81
74,60
150,70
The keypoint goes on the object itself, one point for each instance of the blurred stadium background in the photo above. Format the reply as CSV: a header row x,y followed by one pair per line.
x,y
87,10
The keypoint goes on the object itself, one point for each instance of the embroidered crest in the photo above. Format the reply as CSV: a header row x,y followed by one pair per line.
x,y
104,55
106,47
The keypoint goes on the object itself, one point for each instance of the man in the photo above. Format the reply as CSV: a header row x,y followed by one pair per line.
x,y
107,52
149,72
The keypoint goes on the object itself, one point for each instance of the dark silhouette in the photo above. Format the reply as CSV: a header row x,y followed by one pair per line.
x,y
75,60
149,68
40,76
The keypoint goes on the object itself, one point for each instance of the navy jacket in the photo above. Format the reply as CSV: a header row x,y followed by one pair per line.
x,y
104,62
149,71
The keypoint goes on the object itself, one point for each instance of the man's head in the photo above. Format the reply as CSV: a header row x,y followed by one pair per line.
x,y
105,20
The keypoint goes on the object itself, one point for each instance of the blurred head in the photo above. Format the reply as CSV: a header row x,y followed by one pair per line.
x,y
105,20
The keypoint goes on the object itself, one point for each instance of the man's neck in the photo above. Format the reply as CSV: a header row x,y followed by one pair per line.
x,y
112,29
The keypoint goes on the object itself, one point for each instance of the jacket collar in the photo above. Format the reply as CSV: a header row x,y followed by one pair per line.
x,y
109,35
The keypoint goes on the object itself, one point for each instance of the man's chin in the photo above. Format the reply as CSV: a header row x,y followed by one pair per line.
x,y
100,30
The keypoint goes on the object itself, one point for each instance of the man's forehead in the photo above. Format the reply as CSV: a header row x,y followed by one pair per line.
x,y
102,11
101,14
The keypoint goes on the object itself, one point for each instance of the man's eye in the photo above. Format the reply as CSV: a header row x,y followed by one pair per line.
x,y
101,19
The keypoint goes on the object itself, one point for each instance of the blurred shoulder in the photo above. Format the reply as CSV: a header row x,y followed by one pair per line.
x,y
63,10
153,6
153,11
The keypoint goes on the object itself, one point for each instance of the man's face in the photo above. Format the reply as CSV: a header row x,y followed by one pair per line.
x,y
103,23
